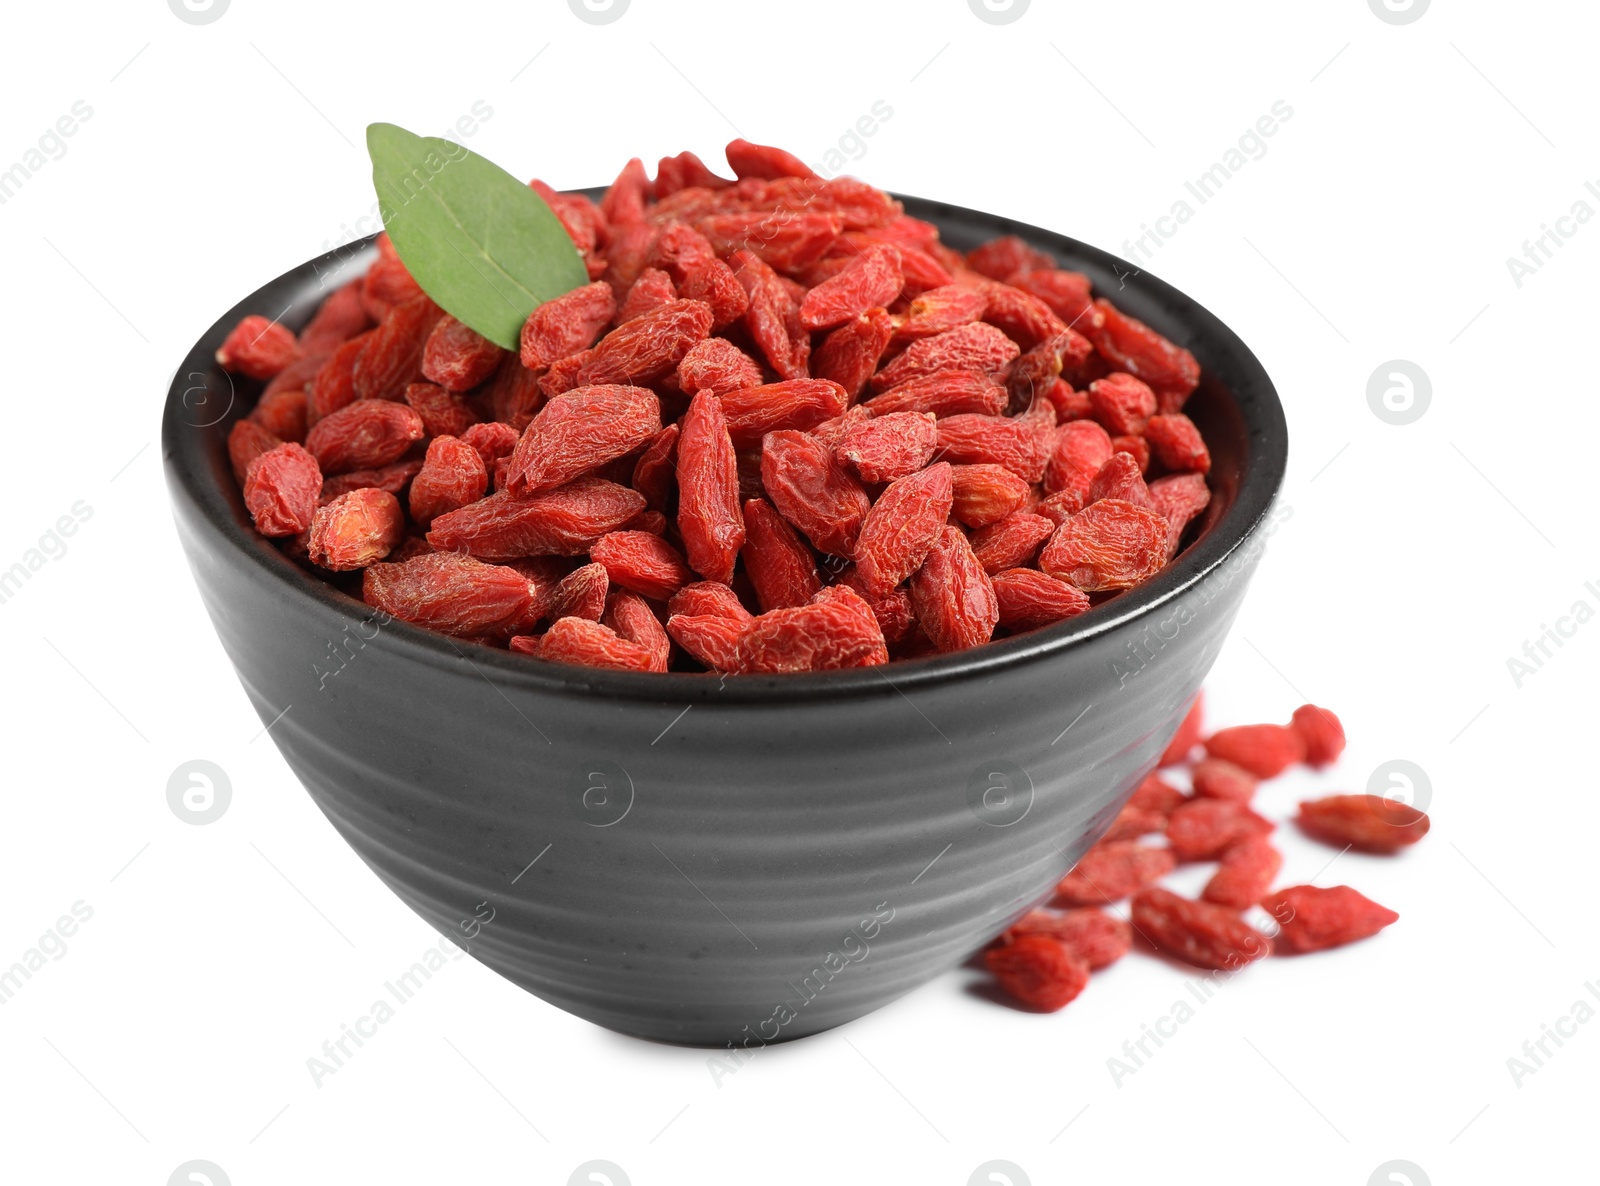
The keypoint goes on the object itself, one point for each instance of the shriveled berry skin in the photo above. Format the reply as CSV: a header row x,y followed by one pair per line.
x,y
452,475
1109,544
1188,734
340,318
258,347
1121,403
787,245
640,351
643,563
1264,750
835,629
871,279
1080,449
334,385
1314,919
492,440
1199,933
752,412
631,617
248,440
711,599
999,258
1177,443
1370,823
283,413
883,448
449,592
1039,970
1028,599
779,563
711,639
768,318
579,431
651,290
580,594
709,516
1215,778
392,478
1120,478
1089,933
1067,293
1178,499
905,522
1111,871
952,595
948,392
561,522
1020,444
975,347
1245,874
444,413
1012,542
587,642
1321,732
281,488
355,530
363,435
457,357
985,494
718,366
1203,829
1131,346
813,492
391,356
850,353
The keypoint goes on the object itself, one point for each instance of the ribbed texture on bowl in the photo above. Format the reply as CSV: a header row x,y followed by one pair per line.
x,y
804,851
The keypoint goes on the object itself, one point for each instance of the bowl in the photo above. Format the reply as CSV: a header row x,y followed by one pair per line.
x,y
725,861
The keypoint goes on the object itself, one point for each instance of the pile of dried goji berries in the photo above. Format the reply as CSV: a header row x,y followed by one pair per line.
x,y
784,428
1044,960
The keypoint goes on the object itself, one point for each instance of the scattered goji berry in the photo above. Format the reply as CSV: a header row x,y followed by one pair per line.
x,y
258,348
1370,823
1038,970
1111,871
1264,750
1158,795
1214,778
1245,873
1321,732
1092,935
281,487
1199,933
1188,734
1202,829
1314,919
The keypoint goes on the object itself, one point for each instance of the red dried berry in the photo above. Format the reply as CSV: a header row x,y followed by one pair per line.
x,y
640,351
1321,732
1264,750
651,290
514,394
1111,871
642,563
492,440
944,393
632,619
561,522
453,474
280,490
283,413
340,318
1038,970
1245,874
999,258
247,440
334,385
902,526
787,244
1011,542
1203,829
1215,779
1119,478
391,478
813,492
1178,499
1133,822
579,640
752,412
457,357
1080,448
579,431
850,354
1177,443
355,530
1121,403
363,435
940,309
451,593
1029,599
655,474
778,562
443,413
1198,933
709,599
984,494
768,316
580,594
952,595
712,639
1096,938
762,160
387,284
836,629
1131,346
623,202
870,279
1370,823
709,517
1314,919
718,366
1019,443
1158,795
1066,293
975,347
391,356
258,347
1109,544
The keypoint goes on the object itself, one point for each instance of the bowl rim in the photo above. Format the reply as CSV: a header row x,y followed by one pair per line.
x,y
1260,409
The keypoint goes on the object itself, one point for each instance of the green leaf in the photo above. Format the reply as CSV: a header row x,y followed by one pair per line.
x,y
482,244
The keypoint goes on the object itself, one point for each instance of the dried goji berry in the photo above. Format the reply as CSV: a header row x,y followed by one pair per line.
x,y
1028,321
387,284
392,478
952,595
492,439
850,354
457,357
884,448
1119,478
813,492
975,347
1245,874
718,366
1188,734
1370,823
514,392
561,522
1090,934
1019,443
1109,544
1111,871
334,385
1079,449
449,592
710,638
762,160
1199,933
779,563
1177,443
1010,543
655,474
948,392
1069,404
1202,829
1132,822
363,435
579,431
786,241
939,309
623,202
835,629
1121,403
1158,795
632,618
340,318
443,413
566,325
1321,732
752,412
896,618
259,348
247,440
355,530
1178,499
391,356
1067,293
453,474
902,526
708,599
1136,447
999,258
1038,970
651,290
714,283
984,494
1132,346
1264,750
281,488
1314,919
709,517
580,594
1029,599
679,172
870,279
1214,778
767,319
283,413
642,350
579,640
642,563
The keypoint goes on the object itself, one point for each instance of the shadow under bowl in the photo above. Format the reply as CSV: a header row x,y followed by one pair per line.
x,y
703,860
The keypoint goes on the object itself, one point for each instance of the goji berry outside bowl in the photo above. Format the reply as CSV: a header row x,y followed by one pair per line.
x,y
740,860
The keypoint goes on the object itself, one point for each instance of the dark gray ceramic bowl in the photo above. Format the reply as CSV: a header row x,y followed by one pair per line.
x,y
711,861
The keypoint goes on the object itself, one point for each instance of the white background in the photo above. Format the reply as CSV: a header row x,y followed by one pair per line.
x,y
1419,558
